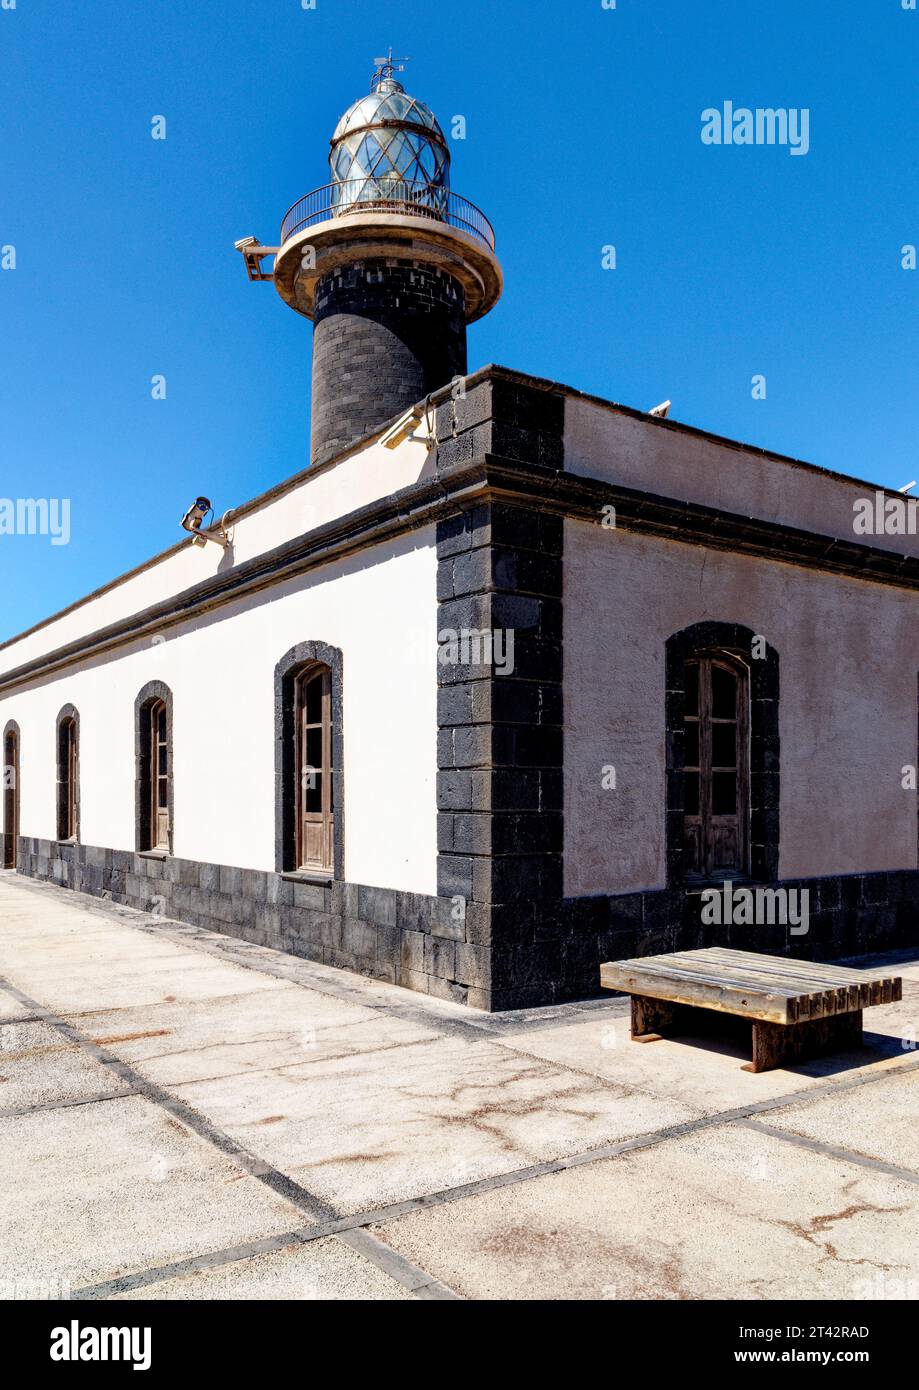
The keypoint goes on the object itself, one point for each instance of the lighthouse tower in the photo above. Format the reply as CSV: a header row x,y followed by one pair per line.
x,y
388,262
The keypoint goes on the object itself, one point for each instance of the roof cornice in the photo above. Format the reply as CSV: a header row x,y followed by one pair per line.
x,y
488,477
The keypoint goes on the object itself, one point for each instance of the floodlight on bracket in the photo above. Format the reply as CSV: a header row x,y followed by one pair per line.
x,y
253,253
406,426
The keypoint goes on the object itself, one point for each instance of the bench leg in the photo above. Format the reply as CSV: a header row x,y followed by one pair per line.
x,y
778,1044
650,1017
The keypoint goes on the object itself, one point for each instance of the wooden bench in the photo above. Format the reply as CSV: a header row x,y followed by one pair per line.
x,y
798,1009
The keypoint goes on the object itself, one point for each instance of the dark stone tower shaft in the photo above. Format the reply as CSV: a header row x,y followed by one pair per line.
x,y
386,334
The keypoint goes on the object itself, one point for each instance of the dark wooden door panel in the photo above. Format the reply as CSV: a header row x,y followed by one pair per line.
x,y
725,845
692,846
716,777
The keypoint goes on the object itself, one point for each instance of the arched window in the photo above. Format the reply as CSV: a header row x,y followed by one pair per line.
x,y
315,793
68,774
153,747
10,794
309,785
723,754
716,778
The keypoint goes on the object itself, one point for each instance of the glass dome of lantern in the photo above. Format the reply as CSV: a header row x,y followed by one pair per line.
x,y
388,150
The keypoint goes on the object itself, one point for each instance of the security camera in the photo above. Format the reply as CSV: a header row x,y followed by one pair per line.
x,y
660,412
196,513
194,518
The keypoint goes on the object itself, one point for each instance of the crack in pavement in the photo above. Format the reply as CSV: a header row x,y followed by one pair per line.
x,y
352,1228
380,1216
410,1276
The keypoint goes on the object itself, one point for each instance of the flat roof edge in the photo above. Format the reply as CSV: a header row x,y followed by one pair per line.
x,y
490,370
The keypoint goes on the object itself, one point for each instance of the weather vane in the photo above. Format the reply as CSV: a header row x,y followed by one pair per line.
x,y
386,67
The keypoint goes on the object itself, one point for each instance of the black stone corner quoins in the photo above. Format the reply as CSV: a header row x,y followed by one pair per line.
x,y
500,833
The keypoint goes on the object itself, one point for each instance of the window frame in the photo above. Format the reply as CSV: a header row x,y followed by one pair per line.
x,y
159,780
67,735
324,816
295,663
153,701
763,664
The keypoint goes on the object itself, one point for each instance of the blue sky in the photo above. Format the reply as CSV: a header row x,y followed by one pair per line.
x,y
583,129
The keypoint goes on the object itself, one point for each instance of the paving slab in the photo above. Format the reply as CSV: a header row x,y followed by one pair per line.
x,y
96,1197
73,959
367,1095
719,1213
283,1028
77,982
895,1027
704,1069
386,1125
39,1067
880,1121
324,1269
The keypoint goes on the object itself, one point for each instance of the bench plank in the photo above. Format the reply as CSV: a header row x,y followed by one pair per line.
x,y
865,988
770,988
816,1001
700,989
758,986
780,965
742,967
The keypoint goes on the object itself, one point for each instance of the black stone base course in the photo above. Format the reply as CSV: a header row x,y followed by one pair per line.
x,y
409,939
499,956
558,951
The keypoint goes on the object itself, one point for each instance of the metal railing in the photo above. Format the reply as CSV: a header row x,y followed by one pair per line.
x,y
402,196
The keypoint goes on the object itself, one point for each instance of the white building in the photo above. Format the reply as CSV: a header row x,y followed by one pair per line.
x,y
487,694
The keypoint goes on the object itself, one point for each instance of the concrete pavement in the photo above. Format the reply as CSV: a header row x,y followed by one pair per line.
x,y
185,1115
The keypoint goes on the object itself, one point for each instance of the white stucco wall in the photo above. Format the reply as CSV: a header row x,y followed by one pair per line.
x,y
378,606
849,654
313,500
